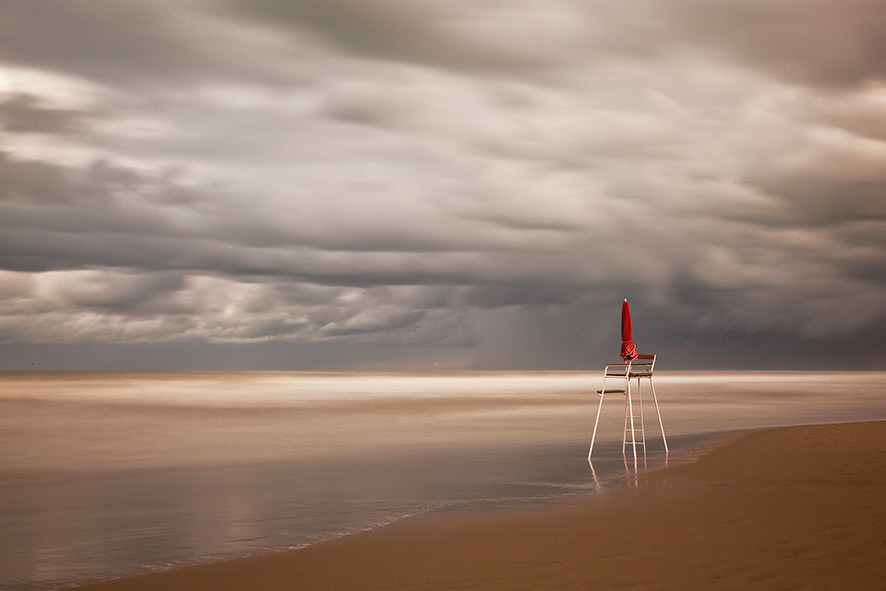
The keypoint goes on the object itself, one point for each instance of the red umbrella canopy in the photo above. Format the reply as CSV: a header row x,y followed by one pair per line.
x,y
628,349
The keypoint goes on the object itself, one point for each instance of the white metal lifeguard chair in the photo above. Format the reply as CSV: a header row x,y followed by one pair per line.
x,y
634,422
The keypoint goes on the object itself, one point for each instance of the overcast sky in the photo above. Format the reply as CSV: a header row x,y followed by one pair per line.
x,y
417,184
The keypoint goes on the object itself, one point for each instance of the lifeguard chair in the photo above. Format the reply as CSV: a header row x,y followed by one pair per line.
x,y
637,369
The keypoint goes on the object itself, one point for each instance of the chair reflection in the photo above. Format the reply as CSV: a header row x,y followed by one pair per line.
x,y
634,469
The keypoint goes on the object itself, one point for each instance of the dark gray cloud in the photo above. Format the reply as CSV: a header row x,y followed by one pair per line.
x,y
823,192
26,113
133,44
29,182
419,182
431,33
104,290
34,181
114,41
831,43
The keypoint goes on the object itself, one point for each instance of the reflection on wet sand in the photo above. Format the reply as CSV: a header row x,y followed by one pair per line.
x,y
634,468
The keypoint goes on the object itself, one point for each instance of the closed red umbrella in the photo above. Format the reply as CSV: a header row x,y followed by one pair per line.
x,y
628,349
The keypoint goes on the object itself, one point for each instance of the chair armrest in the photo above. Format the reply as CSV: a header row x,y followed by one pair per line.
x,y
617,373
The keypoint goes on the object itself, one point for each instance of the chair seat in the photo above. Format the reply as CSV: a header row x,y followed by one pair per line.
x,y
613,391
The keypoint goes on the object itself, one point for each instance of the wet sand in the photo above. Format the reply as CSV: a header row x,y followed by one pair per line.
x,y
786,508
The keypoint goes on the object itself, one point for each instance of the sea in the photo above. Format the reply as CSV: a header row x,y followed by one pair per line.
x,y
105,475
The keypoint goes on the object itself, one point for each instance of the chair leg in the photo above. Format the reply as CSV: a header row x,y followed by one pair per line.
x,y
629,410
658,410
642,417
596,422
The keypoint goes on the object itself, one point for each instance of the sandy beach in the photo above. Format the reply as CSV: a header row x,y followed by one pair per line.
x,y
786,508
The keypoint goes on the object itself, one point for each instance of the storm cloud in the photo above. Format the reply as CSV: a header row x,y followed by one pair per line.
x,y
305,184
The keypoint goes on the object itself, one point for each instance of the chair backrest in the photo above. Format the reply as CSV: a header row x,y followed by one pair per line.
x,y
642,366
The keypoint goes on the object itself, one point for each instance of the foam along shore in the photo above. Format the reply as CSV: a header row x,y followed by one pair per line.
x,y
786,508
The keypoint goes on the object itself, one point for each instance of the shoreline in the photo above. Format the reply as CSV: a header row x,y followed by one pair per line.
x,y
787,507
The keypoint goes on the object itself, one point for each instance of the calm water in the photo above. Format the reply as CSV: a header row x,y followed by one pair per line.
x,y
104,475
